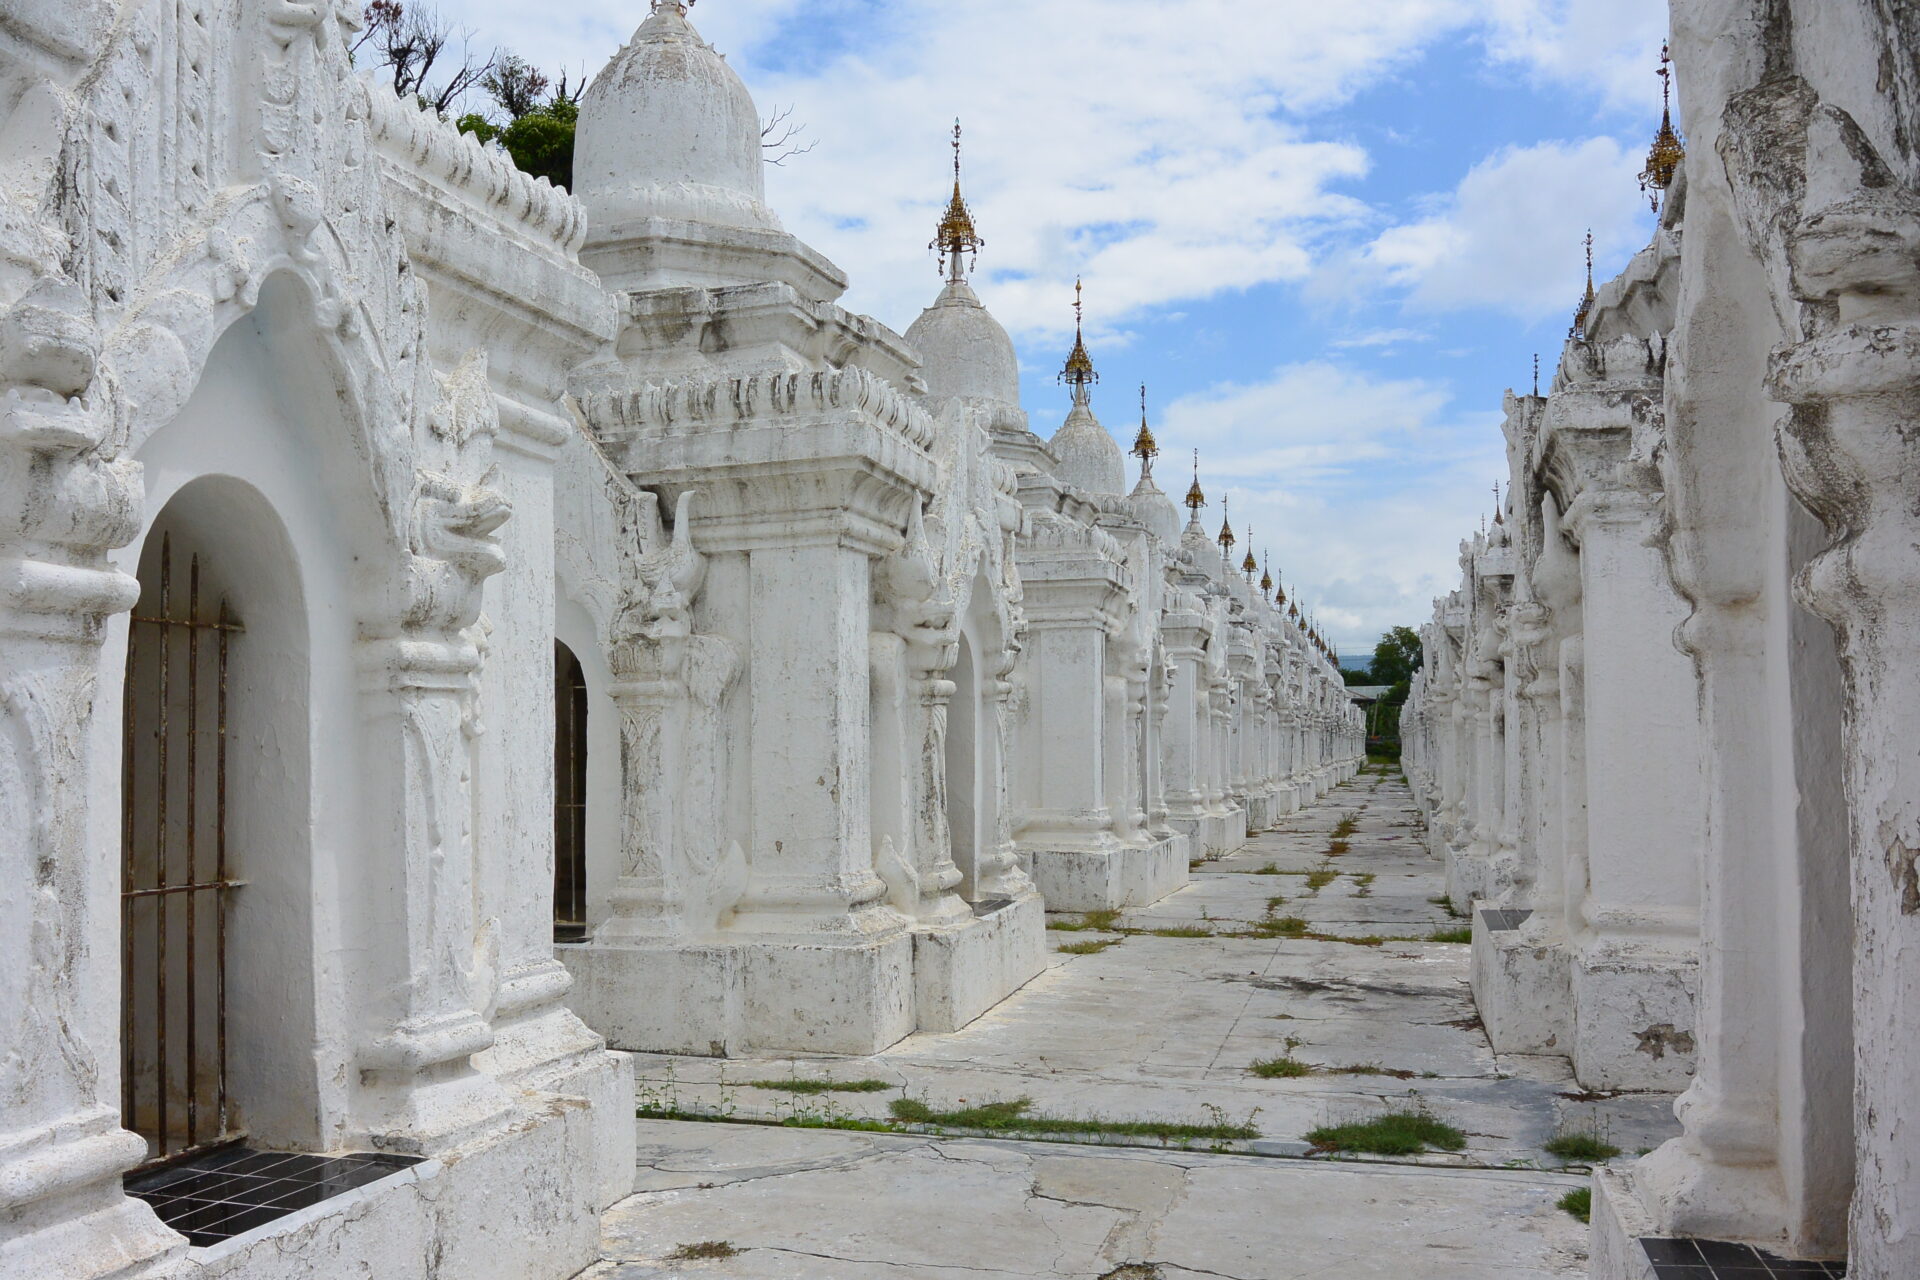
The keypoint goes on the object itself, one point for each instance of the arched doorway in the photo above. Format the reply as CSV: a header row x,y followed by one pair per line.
x,y
569,796
216,872
963,769
176,876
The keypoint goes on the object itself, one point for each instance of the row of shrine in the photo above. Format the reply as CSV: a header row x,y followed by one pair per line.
x,y
451,627
1664,729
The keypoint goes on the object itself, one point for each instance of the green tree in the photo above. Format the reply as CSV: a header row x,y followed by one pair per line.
x,y
540,138
1396,658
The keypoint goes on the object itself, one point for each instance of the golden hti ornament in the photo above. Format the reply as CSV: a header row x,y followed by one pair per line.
x,y
955,238
1195,498
1079,372
1664,157
1145,447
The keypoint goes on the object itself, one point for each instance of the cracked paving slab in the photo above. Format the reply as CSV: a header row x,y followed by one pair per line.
x,y
812,1205
1166,1028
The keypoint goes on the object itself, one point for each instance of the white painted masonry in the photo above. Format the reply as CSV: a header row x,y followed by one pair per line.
x,y
869,667
1638,679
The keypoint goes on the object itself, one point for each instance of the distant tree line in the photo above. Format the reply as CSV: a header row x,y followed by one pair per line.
x,y
1395,660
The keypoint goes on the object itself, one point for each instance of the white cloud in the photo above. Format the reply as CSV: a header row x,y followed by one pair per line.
x,y
1357,486
1610,48
1510,235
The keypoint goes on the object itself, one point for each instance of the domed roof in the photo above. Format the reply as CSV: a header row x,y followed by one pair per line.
x,y
1154,509
1090,457
967,353
667,130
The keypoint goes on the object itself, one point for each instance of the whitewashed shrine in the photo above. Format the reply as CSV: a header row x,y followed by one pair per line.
x,y
452,630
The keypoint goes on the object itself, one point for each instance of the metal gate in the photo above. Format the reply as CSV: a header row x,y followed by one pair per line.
x,y
174,874
569,797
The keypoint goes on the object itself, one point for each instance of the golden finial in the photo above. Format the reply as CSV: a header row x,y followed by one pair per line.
x,y
1281,597
1144,446
1226,538
1663,159
1248,565
1195,497
956,236
1266,575
1079,373
1585,313
1499,512
1293,611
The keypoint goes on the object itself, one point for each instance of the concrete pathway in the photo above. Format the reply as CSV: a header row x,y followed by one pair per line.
x,y
812,1205
1311,945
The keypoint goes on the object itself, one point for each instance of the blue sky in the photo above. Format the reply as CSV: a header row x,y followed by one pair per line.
x,y
1327,236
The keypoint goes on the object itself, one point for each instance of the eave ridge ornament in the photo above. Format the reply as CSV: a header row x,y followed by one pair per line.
x,y
1663,159
956,237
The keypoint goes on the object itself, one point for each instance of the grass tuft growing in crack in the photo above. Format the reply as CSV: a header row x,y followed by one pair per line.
x,y
1097,920
1016,1116
1397,1133
1463,934
1182,931
824,1086
1579,1203
1587,1147
1321,878
705,1249
1091,947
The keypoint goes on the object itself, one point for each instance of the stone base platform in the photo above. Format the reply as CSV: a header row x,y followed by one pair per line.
x,y
1520,983
728,998
1633,1026
961,972
1126,876
519,1204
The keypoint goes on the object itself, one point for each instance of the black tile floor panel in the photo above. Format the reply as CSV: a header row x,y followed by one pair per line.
x,y
224,1193
1501,919
1717,1260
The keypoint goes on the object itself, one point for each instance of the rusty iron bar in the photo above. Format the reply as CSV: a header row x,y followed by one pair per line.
x,y
226,631
190,889
160,855
193,814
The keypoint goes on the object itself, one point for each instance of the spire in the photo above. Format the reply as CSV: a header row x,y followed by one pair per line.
x,y
1144,446
1226,538
1499,512
1266,575
956,237
1195,498
1663,159
1079,373
1281,596
1585,313
1536,375
1248,565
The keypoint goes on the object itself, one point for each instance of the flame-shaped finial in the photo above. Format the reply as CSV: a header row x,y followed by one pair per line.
x,y
1226,538
1196,499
